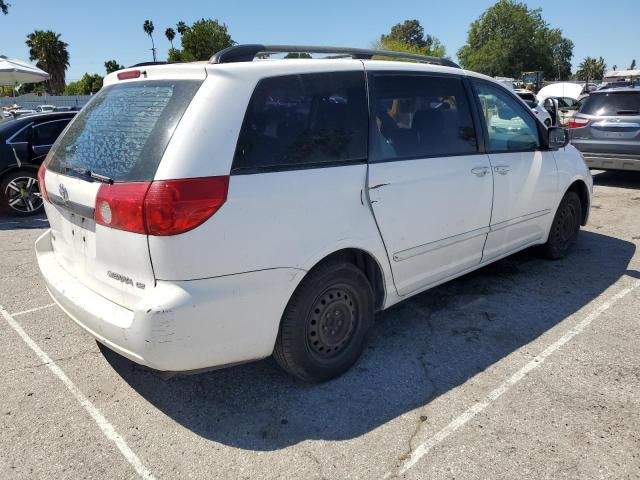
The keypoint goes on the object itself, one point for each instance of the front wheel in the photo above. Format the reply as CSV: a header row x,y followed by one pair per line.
x,y
565,227
20,193
326,323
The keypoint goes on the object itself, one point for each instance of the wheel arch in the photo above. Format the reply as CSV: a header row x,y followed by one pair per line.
x,y
367,263
579,187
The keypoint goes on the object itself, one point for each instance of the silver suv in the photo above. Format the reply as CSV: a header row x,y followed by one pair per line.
x,y
606,129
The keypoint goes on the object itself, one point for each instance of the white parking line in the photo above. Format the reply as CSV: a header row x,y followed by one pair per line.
x,y
103,423
472,411
23,312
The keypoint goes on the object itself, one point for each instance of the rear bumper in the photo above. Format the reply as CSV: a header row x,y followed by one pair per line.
x,y
179,326
612,161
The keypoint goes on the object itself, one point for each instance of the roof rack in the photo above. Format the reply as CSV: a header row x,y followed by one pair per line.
x,y
147,64
246,53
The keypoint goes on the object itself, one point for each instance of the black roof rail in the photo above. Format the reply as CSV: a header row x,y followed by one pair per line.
x,y
147,64
246,53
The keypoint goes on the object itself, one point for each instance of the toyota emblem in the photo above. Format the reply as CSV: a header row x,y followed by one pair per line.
x,y
63,192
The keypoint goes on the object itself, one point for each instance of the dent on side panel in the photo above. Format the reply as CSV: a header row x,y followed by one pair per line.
x,y
274,220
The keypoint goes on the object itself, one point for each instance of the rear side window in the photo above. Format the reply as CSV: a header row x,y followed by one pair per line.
x,y
611,104
296,121
123,131
47,132
417,116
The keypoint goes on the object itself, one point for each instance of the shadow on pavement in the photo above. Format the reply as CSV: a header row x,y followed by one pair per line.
x,y
619,179
8,222
419,350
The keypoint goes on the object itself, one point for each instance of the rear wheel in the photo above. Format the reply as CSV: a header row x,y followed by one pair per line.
x,y
20,193
326,323
565,227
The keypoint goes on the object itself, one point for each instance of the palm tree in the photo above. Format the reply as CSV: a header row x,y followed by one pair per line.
x,y
51,55
591,69
170,33
4,7
181,27
148,28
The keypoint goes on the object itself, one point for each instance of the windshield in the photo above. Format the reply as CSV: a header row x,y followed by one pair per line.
x,y
123,131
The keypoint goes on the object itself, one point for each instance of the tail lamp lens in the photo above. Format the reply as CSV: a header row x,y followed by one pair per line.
x,y
42,171
165,207
578,122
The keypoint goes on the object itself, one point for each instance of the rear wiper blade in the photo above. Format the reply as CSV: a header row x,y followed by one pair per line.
x,y
88,173
627,112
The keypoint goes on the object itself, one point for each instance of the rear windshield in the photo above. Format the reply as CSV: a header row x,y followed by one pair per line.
x,y
612,104
123,131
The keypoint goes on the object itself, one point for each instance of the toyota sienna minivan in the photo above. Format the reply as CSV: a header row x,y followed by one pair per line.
x,y
208,214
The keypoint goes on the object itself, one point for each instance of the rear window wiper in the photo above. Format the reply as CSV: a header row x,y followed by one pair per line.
x,y
628,112
88,173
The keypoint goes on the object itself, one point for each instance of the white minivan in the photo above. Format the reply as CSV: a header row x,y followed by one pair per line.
x,y
208,214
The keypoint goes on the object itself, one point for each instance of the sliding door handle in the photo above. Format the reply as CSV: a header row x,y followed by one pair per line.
x,y
480,171
502,169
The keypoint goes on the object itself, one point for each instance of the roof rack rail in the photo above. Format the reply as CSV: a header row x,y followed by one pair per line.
x,y
147,64
246,53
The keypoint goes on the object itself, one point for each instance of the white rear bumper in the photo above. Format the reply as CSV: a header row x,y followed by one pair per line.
x,y
179,326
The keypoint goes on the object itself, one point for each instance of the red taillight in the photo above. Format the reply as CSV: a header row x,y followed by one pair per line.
x,y
164,207
129,74
41,185
578,122
121,206
176,206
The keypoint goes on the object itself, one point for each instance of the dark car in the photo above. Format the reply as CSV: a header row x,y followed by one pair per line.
x,y
606,129
24,142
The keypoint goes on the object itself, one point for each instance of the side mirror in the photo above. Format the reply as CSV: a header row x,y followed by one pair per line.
x,y
557,137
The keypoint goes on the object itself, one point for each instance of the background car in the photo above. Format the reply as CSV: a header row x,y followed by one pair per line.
x,y
24,142
531,100
606,129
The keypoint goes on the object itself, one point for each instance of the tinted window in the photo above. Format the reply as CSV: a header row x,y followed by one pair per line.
x,y
306,119
618,103
416,116
46,133
123,131
510,127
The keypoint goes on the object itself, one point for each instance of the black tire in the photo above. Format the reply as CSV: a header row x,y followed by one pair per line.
x,y
326,324
20,193
565,227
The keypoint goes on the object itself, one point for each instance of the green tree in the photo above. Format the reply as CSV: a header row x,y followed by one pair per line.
x,y
204,38
112,66
148,28
87,85
591,69
633,65
170,33
4,7
181,27
409,37
297,55
51,55
509,38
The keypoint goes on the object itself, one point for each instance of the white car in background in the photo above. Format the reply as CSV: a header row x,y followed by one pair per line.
x,y
567,96
209,214
531,100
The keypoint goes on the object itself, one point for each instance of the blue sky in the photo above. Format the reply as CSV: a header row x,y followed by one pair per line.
x,y
98,31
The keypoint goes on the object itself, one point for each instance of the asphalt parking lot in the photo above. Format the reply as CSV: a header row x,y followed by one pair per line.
x,y
524,369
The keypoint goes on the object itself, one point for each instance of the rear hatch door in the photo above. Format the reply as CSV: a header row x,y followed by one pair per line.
x,y
614,123
120,136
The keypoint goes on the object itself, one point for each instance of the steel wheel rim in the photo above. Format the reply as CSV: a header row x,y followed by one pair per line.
x,y
332,322
23,195
567,225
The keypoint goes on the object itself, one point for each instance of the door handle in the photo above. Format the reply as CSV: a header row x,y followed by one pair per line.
x,y
502,169
480,171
